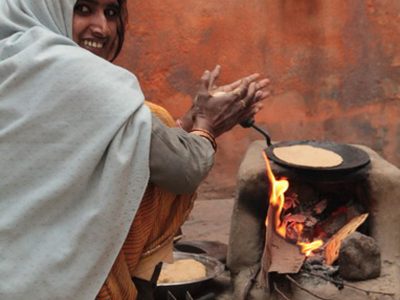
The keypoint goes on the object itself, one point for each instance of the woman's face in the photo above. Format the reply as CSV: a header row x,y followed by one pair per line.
x,y
95,26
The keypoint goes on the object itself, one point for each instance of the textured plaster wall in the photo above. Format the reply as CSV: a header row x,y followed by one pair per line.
x,y
334,66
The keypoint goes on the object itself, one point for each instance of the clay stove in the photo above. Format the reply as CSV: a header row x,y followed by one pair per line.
x,y
372,191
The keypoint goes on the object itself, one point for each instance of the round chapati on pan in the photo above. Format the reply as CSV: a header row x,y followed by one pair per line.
x,y
308,156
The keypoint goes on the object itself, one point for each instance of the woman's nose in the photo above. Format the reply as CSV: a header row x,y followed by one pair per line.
x,y
99,25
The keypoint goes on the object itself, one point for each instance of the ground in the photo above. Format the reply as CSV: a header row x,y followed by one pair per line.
x,y
209,220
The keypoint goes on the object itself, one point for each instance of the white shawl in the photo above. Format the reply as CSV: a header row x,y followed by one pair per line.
x,y
74,147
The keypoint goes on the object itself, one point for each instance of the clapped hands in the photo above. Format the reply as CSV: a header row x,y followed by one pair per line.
x,y
217,109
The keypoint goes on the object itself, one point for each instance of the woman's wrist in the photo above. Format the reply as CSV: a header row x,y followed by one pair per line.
x,y
207,135
186,121
203,124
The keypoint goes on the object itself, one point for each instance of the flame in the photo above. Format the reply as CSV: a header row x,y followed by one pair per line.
x,y
308,248
277,200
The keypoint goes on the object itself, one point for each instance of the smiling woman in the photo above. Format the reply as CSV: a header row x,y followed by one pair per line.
x,y
91,182
98,26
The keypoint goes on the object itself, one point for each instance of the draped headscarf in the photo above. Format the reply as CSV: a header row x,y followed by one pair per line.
x,y
74,150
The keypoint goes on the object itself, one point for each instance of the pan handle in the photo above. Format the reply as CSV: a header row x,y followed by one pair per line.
x,y
251,123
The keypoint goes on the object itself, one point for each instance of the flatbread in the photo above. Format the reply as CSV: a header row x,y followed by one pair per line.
x,y
308,156
182,270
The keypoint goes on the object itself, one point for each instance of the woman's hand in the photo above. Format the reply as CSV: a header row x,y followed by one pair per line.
x,y
218,109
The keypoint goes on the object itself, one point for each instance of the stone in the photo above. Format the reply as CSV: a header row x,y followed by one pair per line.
x,y
359,258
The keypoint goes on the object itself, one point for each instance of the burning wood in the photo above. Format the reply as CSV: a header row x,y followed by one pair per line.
x,y
291,201
320,207
333,245
298,226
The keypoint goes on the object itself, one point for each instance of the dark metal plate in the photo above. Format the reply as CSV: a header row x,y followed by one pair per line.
x,y
353,158
214,268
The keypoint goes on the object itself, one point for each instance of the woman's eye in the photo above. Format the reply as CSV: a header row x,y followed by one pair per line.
x,y
82,8
112,12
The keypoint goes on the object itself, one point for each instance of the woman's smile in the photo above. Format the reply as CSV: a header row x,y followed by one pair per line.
x,y
98,47
93,44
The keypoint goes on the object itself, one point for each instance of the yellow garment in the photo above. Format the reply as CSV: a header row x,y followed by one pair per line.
x,y
157,220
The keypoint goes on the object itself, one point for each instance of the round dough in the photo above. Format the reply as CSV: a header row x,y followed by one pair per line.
x,y
181,271
308,156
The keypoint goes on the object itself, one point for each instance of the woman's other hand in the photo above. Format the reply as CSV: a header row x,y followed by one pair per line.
x,y
219,109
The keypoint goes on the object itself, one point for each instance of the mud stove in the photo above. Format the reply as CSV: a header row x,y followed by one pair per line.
x,y
335,236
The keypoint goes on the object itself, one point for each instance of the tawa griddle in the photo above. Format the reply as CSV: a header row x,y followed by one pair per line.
x,y
353,157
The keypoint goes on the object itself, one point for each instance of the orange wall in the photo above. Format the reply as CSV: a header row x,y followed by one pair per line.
x,y
334,66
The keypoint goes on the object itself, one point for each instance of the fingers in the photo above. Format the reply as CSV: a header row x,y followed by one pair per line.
x,y
262,84
258,90
252,77
208,79
257,107
205,82
246,86
245,92
255,92
251,103
264,94
251,95
237,83
250,112
214,76
247,82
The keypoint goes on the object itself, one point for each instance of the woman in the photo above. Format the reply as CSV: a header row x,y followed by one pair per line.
x,y
75,141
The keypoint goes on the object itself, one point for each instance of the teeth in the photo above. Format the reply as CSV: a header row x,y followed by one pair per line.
x,y
93,44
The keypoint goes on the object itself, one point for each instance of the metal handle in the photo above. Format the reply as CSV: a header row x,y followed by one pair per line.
x,y
247,123
250,123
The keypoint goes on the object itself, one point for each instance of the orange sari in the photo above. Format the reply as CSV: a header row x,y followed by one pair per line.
x,y
159,217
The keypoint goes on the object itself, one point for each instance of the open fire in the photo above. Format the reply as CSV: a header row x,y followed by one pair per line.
x,y
316,229
293,224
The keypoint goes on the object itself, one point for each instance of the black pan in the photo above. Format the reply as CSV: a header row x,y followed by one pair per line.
x,y
353,158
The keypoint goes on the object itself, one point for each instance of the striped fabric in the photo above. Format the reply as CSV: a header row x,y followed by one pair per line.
x,y
159,217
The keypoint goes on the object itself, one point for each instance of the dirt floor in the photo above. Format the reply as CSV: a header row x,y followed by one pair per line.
x,y
209,220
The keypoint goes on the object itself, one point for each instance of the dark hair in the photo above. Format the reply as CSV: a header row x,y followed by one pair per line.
x,y
122,21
